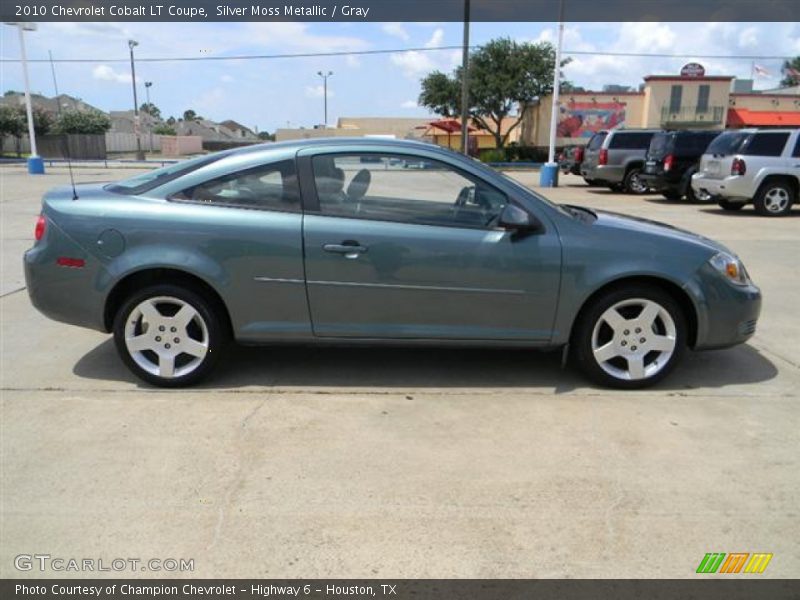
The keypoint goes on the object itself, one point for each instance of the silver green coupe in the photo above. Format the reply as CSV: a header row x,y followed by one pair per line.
x,y
374,241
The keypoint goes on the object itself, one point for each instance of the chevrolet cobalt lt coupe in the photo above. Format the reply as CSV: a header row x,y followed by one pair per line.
x,y
374,241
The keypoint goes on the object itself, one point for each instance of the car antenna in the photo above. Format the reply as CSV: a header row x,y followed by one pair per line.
x,y
66,139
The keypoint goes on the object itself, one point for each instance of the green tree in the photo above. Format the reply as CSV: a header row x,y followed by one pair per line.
x,y
266,136
190,115
42,120
504,76
82,121
164,130
151,109
171,121
791,72
11,123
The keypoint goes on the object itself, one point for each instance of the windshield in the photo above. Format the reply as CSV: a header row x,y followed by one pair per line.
x,y
525,189
727,143
144,182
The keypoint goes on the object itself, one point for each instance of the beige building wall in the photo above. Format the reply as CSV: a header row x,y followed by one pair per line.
x,y
659,89
774,102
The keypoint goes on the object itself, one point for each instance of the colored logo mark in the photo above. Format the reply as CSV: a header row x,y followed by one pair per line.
x,y
735,562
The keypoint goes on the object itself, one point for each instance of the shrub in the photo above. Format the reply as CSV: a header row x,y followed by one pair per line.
x,y
492,155
164,130
82,121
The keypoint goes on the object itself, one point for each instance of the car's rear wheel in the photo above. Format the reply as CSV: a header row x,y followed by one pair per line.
x,y
775,198
630,337
671,195
728,205
633,183
590,181
168,335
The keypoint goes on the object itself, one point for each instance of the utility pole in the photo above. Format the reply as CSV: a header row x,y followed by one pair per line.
x,y
147,86
136,127
465,84
549,173
325,87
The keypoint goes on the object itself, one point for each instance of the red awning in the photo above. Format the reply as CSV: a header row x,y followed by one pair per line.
x,y
449,125
743,117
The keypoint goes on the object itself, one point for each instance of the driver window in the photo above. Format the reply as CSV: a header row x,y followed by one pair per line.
x,y
403,188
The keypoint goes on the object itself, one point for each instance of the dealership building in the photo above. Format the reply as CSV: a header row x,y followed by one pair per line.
x,y
689,100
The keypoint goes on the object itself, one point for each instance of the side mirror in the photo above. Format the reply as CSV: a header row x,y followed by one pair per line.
x,y
513,218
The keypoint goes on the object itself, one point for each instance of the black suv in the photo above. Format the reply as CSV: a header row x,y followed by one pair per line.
x,y
671,160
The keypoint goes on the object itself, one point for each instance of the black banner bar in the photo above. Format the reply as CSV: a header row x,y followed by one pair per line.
x,y
397,10
747,587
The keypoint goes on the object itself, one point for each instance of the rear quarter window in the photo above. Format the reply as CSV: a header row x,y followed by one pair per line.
x,y
765,144
727,143
596,141
694,144
631,140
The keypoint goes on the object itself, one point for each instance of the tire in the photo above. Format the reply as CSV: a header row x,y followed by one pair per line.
x,y
728,205
674,196
616,187
590,182
775,198
185,321
632,184
697,198
614,355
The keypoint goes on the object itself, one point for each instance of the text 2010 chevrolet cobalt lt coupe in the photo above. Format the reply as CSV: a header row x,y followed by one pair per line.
x,y
358,240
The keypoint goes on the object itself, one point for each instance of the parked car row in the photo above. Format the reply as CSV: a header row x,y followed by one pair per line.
x,y
732,168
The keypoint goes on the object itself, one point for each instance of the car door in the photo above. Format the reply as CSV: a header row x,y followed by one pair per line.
x,y
406,246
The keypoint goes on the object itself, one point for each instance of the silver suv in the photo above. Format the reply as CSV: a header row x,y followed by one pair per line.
x,y
761,166
618,161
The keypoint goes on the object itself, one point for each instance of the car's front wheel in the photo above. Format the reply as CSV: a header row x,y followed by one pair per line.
x,y
728,205
168,335
630,337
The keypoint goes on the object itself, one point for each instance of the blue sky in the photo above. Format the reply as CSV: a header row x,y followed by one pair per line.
x,y
273,93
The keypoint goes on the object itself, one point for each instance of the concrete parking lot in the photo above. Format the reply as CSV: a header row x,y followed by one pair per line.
x,y
298,462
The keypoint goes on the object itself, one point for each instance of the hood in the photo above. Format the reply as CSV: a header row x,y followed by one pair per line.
x,y
611,220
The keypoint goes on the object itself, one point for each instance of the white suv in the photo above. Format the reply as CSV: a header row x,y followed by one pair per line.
x,y
761,166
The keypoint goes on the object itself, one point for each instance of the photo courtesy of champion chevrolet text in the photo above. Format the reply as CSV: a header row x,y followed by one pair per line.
x,y
436,299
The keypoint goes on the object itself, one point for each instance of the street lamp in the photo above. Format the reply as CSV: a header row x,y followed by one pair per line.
x,y
548,176
147,86
136,129
325,84
35,162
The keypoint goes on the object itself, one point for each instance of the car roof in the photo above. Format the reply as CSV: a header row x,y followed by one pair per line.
x,y
338,141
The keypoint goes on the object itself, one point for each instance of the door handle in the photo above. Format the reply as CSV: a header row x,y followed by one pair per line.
x,y
350,248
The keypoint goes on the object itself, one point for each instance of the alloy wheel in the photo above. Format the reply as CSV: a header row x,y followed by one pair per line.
x,y
776,199
634,339
166,336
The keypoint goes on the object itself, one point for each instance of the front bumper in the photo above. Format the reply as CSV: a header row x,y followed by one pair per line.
x,y
727,313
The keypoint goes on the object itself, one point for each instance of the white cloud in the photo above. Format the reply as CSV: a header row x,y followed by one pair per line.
x,y
352,61
106,73
211,101
293,36
318,91
226,79
436,38
396,30
748,38
409,104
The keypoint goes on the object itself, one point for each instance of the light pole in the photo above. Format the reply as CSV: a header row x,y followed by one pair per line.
x,y
325,85
549,173
147,86
465,85
136,128
35,162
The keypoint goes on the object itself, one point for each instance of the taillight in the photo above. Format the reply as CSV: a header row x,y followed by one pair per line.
x,y
603,159
738,167
669,162
579,154
41,225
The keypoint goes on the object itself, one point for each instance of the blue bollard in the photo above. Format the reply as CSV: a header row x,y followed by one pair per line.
x,y
36,165
548,176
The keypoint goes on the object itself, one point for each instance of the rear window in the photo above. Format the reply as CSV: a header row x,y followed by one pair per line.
x,y
694,143
145,182
661,144
596,141
727,143
765,144
631,140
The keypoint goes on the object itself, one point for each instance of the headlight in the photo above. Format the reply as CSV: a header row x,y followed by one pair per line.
x,y
731,268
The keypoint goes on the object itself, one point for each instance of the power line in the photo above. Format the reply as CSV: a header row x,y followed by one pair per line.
x,y
390,51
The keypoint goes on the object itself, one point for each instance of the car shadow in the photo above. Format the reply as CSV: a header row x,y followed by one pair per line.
x,y
746,212
407,368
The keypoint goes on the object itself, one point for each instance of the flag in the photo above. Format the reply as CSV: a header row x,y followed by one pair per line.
x,y
759,70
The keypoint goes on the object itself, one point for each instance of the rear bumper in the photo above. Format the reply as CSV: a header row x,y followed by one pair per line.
x,y
734,188
604,173
660,183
